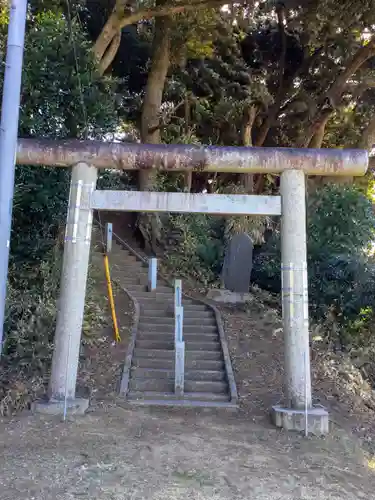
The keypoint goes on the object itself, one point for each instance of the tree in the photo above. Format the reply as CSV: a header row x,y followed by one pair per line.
x,y
284,76
318,63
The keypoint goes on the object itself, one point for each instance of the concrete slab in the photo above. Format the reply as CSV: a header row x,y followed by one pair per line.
x,y
227,297
295,420
77,406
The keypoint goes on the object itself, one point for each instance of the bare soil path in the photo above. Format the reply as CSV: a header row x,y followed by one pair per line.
x,y
116,453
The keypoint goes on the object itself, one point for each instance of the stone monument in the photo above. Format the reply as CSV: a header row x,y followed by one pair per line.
x,y
236,273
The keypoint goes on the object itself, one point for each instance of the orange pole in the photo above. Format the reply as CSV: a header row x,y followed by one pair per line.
x,y
111,300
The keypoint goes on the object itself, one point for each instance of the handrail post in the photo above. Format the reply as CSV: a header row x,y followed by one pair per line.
x,y
152,274
179,381
179,318
177,294
179,344
108,237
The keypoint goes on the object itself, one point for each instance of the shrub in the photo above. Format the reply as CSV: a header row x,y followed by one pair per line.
x,y
340,220
340,230
29,325
196,247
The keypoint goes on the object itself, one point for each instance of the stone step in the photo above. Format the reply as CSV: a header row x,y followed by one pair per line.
x,y
189,320
166,314
153,362
168,364
169,327
160,373
121,277
160,309
132,280
189,346
188,337
120,257
124,269
168,354
160,385
154,295
129,257
120,250
128,284
143,288
154,299
138,278
167,396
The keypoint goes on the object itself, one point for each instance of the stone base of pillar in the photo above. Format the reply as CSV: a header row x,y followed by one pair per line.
x,y
76,406
295,420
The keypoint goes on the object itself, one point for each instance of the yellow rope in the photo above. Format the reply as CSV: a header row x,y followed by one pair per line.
x,y
110,296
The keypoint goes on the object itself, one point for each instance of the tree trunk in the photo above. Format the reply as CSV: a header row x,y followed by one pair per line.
x,y
316,141
249,116
149,224
108,33
150,120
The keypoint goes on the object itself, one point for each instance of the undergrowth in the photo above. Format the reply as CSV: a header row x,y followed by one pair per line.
x,y
30,328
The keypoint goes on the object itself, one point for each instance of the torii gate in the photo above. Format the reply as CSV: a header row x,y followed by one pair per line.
x,y
86,157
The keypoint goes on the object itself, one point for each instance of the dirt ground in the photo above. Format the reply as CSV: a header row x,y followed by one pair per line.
x,y
119,452
255,339
116,453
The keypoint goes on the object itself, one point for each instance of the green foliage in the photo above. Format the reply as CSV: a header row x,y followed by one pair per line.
x,y
114,180
193,34
63,95
197,247
343,285
341,221
65,98
253,225
29,325
341,274
219,84
39,210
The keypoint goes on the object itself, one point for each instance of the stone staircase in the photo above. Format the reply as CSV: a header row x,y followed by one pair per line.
x,y
149,368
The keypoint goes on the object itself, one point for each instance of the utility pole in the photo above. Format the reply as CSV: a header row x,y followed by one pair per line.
x,y
8,138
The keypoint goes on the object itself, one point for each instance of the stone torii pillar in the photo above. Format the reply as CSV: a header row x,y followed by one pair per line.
x,y
62,387
298,412
293,165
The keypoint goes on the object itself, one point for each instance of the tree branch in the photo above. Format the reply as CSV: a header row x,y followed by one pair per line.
x,y
360,57
105,38
248,119
332,99
317,139
166,119
168,10
121,17
110,53
266,125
